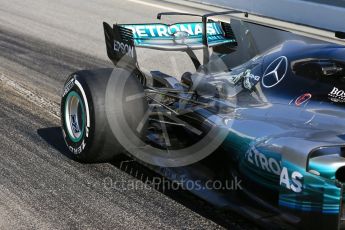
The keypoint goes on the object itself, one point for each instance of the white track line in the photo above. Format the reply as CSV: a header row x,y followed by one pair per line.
x,y
171,9
157,6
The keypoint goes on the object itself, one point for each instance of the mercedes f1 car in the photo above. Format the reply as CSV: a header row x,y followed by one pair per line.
x,y
275,122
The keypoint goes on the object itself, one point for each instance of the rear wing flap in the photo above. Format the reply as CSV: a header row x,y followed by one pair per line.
x,y
180,36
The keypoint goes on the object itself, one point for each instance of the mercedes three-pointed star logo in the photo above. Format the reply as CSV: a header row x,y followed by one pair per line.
x,y
275,72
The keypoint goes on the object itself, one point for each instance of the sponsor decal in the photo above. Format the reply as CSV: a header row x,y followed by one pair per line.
x,y
268,164
250,80
124,49
291,181
303,99
74,124
161,30
275,72
337,95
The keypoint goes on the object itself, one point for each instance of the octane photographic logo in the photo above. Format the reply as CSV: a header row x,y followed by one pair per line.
x,y
175,182
128,135
163,184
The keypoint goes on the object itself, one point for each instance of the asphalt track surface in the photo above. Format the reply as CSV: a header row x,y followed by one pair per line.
x,y
41,43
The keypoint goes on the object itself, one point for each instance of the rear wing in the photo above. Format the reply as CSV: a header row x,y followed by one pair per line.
x,y
121,39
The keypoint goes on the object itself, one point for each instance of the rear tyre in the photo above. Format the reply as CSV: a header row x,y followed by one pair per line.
x,y
85,126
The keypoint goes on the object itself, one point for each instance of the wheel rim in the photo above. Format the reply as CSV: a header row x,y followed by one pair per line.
x,y
74,116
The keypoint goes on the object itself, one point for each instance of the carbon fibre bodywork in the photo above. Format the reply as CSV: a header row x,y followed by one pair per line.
x,y
285,142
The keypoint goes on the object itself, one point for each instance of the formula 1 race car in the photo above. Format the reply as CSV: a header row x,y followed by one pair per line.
x,y
273,121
